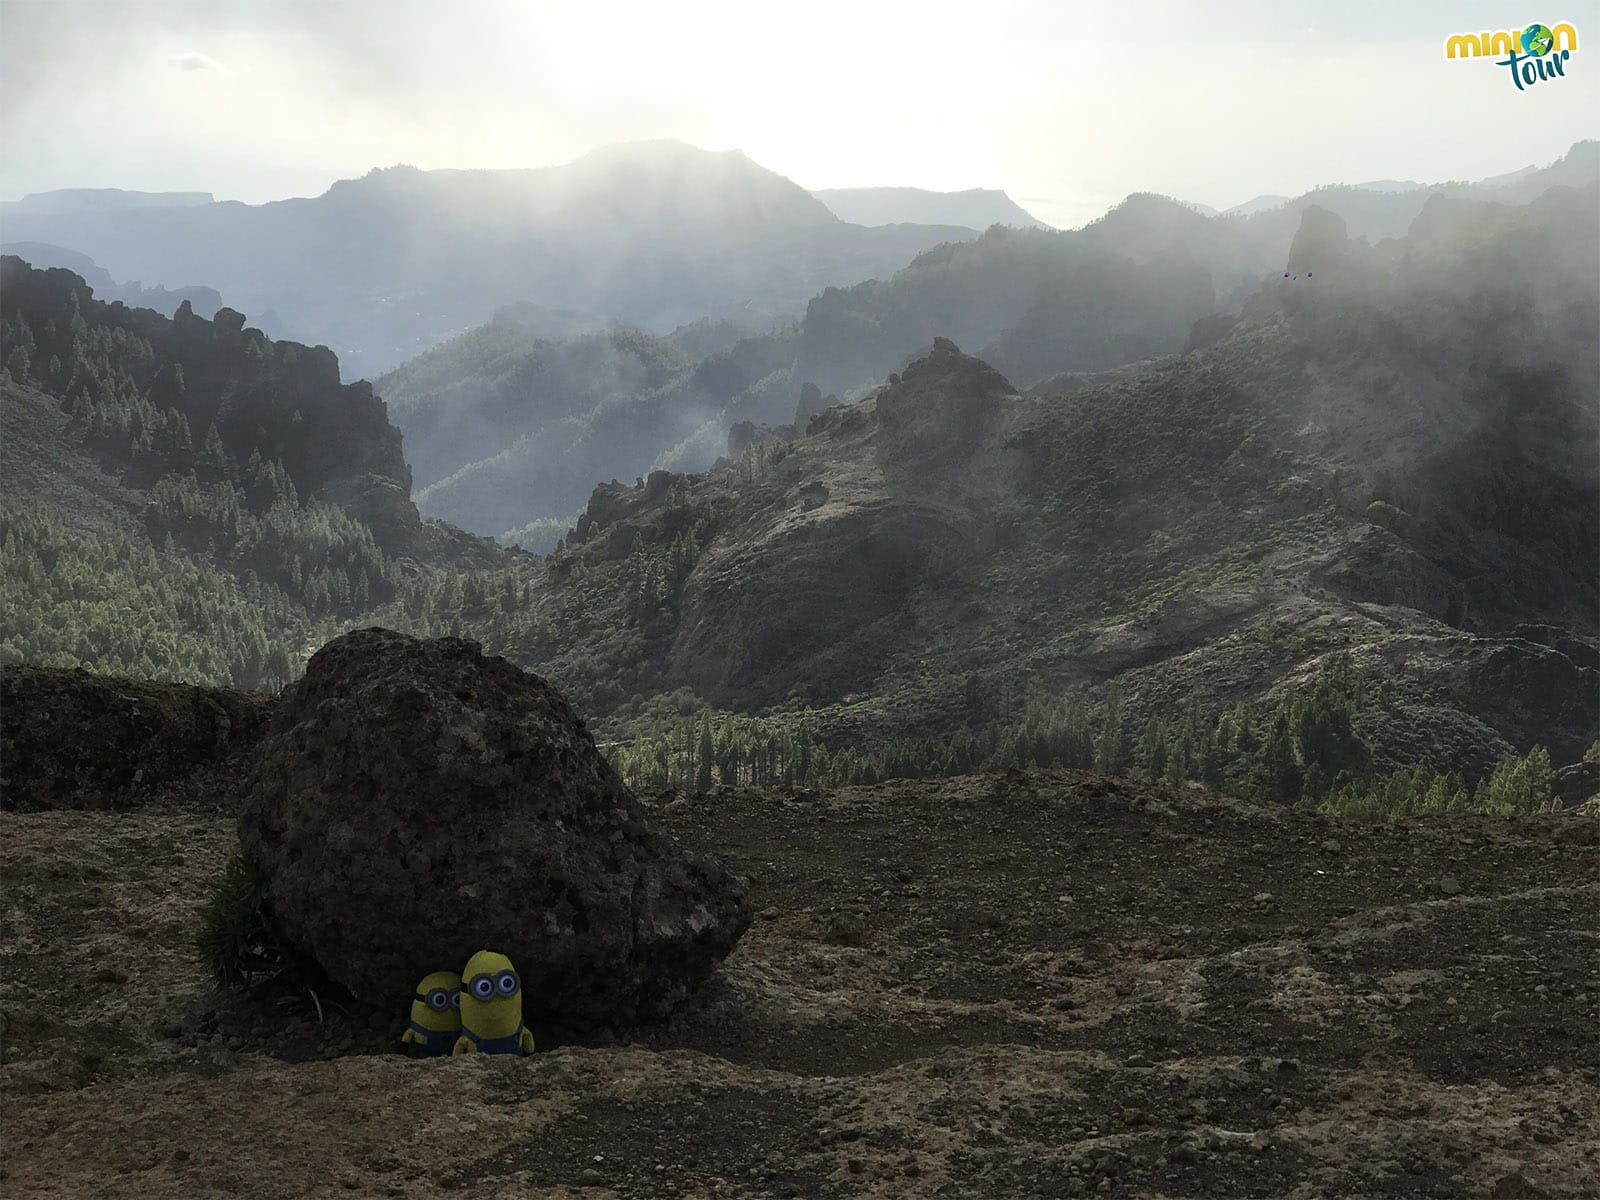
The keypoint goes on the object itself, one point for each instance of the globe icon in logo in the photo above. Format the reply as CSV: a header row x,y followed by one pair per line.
x,y
1537,39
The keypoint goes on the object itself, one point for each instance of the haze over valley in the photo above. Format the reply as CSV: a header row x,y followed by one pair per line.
x,y
942,643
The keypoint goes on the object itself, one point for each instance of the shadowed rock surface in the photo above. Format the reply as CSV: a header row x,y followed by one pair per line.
x,y
416,801
71,739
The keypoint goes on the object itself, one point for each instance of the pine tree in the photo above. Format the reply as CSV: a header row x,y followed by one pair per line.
x,y
707,753
212,463
1276,775
1113,748
19,364
1152,752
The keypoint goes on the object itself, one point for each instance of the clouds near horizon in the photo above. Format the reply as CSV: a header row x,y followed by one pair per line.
x,y
1072,106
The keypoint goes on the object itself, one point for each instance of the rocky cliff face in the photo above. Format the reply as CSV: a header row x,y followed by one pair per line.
x,y
279,400
885,502
939,412
282,399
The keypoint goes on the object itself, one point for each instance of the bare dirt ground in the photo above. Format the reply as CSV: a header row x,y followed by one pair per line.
x,y
1040,984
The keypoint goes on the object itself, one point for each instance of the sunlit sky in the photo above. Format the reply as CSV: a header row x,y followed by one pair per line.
x,y
1066,106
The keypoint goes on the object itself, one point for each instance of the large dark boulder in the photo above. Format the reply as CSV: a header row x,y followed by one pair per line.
x,y
416,801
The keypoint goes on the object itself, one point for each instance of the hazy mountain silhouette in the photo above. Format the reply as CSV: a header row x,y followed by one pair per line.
x,y
204,300
976,208
79,200
651,234
1386,208
489,427
1257,204
505,427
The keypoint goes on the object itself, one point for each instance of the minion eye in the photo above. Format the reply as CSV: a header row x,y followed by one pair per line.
x,y
506,983
483,987
455,998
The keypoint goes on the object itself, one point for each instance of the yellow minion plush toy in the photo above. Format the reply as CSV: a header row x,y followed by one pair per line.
x,y
491,1008
435,1016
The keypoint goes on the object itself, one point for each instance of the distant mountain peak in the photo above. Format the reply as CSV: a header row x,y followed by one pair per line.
x,y
1145,209
1389,185
64,200
1257,204
657,149
973,208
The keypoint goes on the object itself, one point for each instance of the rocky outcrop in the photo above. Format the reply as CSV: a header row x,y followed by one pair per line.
x,y
812,401
416,801
941,409
1578,783
1320,244
744,434
75,740
1373,564
612,503
814,592
383,505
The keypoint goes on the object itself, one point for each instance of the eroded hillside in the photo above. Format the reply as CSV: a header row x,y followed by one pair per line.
x,y
1392,461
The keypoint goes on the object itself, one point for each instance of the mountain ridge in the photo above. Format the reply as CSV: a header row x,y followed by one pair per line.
x,y
1148,278
653,235
195,478
1218,527
975,208
607,238
101,200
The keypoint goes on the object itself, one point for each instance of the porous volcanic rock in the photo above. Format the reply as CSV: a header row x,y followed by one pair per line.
x,y
416,801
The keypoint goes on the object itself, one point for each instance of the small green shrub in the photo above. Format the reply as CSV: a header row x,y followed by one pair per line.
x,y
233,928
